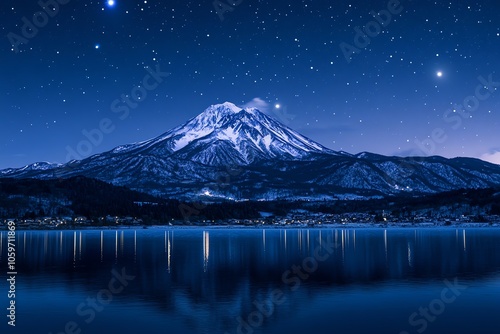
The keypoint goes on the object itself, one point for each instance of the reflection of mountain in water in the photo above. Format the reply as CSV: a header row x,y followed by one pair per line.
x,y
209,277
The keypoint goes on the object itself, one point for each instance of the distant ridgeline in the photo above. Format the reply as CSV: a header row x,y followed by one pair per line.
x,y
82,196
233,153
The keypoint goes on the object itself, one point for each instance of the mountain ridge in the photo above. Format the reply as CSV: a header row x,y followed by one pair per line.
x,y
274,161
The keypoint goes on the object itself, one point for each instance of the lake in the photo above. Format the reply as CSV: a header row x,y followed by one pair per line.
x,y
195,280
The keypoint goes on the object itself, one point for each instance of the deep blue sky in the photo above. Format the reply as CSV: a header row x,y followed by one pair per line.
x,y
64,79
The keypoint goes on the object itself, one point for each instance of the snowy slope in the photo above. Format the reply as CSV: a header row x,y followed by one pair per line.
x,y
225,133
229,152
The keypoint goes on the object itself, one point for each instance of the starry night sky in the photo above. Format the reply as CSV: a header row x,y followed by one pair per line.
x,y
283,56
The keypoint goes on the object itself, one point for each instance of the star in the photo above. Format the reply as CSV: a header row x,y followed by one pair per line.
x,y
311,77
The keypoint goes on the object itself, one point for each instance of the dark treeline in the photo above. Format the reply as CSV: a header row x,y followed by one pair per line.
x,y
486,200
30,198
81,196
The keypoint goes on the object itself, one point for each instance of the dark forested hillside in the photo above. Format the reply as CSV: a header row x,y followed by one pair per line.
x,y
81,196
77,196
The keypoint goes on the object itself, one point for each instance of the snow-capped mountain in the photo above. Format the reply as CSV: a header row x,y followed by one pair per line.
x,y
226,134
230,152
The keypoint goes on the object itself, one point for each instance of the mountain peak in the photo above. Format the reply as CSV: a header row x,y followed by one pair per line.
x,y
220,110
229,105
225,133
275,161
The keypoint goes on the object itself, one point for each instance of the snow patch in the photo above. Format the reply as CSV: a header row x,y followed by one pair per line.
x,y
267,141
120,149
231,106
188,137
228,134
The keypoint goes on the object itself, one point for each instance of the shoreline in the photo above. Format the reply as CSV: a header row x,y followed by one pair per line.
x,y
467,225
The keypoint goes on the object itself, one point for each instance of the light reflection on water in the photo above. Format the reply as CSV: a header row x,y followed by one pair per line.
x,y
211,280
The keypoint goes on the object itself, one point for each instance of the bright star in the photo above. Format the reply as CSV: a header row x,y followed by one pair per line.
x,y
110,3
97,46
277,105
439,74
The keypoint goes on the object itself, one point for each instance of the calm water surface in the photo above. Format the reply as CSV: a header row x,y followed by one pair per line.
x,y
399,281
